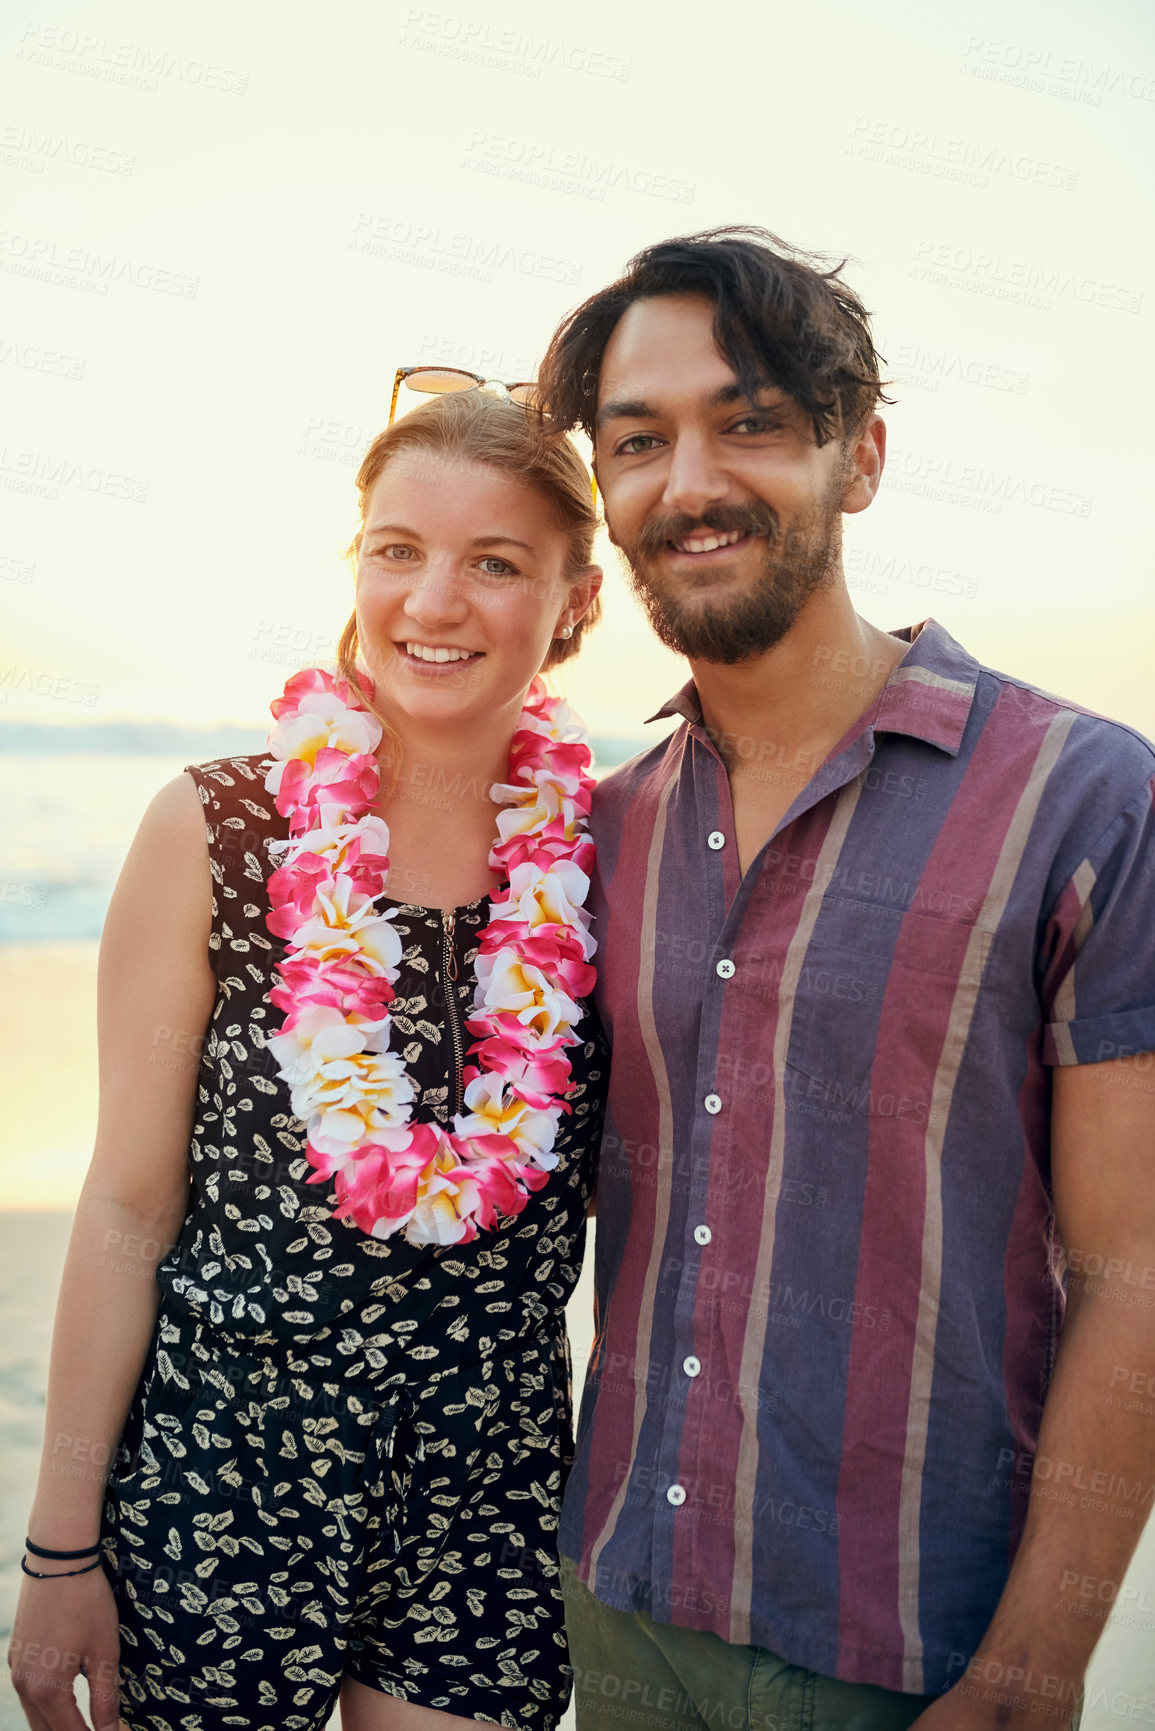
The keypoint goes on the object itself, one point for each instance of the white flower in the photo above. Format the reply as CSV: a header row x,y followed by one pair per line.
x,y
334,841
527,810
505,982
345,1084
323,720
443,1209
552,897
348,924
491,1113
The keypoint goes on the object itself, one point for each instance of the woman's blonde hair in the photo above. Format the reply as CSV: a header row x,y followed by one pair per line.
x,y
478,428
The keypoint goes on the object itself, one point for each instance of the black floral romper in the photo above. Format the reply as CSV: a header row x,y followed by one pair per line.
x,y
344,1455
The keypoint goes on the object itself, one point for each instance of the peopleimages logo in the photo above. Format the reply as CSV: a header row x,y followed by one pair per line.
x,y
80,267
60,687
16,570
1017,280
380,235
24,147
978,488
481,42
1069,77
516,366
33,358
867,568
573,172
42,475
140,65
926,151
923,367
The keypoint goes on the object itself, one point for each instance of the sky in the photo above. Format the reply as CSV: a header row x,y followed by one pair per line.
x,y
222,228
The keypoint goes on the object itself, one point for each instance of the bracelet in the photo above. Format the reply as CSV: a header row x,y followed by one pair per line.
x,y
62,1575
62,1556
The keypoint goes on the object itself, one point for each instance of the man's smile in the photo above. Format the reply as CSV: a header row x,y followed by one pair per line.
x,y
710,541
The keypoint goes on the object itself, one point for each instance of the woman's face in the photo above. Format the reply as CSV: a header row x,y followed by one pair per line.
x,y
460,590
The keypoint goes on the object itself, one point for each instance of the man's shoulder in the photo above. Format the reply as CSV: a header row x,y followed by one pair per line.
x,y
1091,741
1009,712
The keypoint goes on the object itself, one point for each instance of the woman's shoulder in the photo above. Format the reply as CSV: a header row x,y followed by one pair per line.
x,y
247,771
232,792
233,779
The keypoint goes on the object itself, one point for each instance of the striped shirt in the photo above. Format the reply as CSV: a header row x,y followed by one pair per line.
x,y
828,1281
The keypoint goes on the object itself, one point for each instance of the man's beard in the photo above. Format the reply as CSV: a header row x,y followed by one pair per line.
x,y
795,563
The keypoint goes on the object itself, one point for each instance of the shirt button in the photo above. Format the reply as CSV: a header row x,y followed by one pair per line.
x,y
702,1235
712,1103
676,1495
726,968
691,1365
715,839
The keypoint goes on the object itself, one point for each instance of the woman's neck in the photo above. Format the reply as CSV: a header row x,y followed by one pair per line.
x,y
464,772
442,822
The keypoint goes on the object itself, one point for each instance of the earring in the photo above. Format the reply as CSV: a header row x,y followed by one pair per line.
x,y
566,631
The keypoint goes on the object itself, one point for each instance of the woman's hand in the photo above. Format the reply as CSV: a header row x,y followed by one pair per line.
x,y
63,1627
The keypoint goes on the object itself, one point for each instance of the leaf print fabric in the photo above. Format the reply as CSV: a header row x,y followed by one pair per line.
x,y
344,1455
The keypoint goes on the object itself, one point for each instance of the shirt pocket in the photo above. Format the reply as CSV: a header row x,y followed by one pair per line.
x,y
883,999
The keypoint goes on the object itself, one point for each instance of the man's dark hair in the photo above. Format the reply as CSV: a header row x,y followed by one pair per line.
x,y
778,318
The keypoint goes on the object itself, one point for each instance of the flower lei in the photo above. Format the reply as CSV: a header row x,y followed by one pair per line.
x,y
337,980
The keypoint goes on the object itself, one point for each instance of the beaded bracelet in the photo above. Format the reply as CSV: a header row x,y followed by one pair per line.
x,y
60,1575
62,1556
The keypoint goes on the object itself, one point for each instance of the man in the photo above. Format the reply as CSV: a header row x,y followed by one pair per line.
x,y
876,930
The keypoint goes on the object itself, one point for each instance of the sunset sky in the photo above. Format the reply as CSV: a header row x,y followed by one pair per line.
x,y
221,235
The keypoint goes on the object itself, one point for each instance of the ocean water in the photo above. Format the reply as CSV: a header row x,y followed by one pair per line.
x,y
69,819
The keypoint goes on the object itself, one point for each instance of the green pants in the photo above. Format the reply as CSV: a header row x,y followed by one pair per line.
x,y
632,1674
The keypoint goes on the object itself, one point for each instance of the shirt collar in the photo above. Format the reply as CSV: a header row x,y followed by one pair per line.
x,y
929,694
684,703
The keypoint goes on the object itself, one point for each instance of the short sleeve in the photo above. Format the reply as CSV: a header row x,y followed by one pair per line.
x,y
1099,989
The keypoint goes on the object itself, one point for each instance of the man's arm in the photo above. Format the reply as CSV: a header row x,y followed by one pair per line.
x,y
1032,1660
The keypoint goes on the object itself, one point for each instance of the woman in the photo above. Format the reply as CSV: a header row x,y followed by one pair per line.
x,y
341,1467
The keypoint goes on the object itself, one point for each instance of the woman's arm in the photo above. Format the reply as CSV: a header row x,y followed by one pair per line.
x,y
155,996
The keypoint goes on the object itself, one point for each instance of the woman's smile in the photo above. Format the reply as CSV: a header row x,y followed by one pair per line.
x,y
427,660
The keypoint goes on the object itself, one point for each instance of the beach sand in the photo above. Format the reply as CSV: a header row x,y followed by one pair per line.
x,y
48,1034
47,1016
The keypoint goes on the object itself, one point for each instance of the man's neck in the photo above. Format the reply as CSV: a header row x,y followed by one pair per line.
x,y
792,703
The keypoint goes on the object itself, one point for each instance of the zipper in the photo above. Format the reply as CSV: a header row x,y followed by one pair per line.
x,y
452,1015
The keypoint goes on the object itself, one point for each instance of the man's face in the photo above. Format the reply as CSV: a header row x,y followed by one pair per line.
x,y
727,511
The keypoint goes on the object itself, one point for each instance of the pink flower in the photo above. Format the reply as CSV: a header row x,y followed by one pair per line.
x,y
293,891
555,950
335,779
540,1078
503,1181
342,984
495,1108
383,1180
301,684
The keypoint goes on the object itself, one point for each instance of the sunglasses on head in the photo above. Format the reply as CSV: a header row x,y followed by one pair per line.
x,y
443,381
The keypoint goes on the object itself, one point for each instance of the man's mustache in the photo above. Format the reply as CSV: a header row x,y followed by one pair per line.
x,y
754,519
